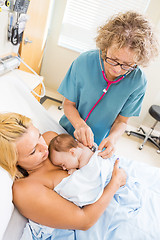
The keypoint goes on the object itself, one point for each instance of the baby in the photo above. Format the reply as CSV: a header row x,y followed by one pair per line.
x,y
68,153
86,185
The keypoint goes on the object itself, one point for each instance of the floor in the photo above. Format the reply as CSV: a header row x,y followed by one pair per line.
x,y
127,146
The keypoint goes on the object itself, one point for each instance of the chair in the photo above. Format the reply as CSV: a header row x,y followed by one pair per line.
x,y
43,99
154,111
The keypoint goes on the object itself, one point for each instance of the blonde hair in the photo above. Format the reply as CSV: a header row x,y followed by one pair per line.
x,y
132,30
62,143
12,126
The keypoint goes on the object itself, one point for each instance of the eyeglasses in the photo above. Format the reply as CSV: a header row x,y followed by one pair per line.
x,y
123,66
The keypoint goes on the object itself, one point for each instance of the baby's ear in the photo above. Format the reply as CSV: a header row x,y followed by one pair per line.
x,y
72,150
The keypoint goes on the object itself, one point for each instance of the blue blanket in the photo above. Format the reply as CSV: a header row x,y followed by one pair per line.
x,y
133,214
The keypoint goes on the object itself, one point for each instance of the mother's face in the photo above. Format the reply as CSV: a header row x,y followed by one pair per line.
x,y
32,149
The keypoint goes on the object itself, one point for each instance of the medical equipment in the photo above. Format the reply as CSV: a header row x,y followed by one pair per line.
x,y
109,83
21,6
6,3
17,20
9,63
41,81
15,35
93,148
15,31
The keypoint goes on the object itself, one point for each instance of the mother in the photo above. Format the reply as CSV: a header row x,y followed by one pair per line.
x,y
24,154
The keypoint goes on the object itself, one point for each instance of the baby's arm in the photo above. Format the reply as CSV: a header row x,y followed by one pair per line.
x,y
72,171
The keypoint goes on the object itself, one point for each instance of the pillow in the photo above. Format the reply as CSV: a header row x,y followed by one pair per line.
x,y
15,227
6,205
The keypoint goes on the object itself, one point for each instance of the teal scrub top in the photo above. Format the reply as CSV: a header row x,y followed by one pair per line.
x,y
84,84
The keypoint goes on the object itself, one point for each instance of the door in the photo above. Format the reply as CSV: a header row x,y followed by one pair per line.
x,y
35,33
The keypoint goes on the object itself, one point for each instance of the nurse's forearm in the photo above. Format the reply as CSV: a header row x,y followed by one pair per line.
x,y
72,114
83,132
117,130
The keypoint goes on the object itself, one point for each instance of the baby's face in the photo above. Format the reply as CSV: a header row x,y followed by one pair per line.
x,y
66,160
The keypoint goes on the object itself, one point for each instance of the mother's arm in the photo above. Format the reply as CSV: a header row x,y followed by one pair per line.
x,y
44,206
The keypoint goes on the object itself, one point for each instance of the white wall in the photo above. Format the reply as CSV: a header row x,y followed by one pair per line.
x,y
152,73
57,60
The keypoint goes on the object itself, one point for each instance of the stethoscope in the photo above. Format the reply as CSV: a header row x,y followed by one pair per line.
x,y
109,83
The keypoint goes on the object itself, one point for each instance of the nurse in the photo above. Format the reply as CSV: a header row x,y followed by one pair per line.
x,y
105,87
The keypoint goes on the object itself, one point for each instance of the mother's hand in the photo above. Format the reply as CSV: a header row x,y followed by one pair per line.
x,y
84,135
118,174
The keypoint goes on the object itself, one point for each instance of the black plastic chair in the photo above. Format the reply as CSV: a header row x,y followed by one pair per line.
x,y
154,111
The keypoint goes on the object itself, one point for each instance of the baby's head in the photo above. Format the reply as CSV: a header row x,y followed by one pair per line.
x,y
64,151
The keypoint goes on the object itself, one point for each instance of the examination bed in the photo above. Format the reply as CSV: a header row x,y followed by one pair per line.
x,y
113,225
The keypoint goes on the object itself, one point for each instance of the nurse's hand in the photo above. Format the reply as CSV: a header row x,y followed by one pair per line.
x,y
84,135
108,144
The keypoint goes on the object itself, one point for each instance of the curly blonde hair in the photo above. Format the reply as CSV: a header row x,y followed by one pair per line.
x,y
132,30
12,126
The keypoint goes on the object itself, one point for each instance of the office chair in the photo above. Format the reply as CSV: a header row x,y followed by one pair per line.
x,y
154,111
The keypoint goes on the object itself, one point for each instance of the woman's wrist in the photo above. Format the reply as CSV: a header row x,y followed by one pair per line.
x,y
80,124
114,182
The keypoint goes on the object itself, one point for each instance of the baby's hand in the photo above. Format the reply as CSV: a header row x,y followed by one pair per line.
x,y
71,171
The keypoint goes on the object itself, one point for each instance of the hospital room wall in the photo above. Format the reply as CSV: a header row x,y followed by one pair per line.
x,y
57,60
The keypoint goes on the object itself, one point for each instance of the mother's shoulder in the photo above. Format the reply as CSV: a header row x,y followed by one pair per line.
x,y
48,136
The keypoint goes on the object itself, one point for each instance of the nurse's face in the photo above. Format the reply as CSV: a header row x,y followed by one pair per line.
x,y
32,149
123,56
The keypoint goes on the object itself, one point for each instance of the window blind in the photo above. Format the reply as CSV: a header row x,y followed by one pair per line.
x,y
83,17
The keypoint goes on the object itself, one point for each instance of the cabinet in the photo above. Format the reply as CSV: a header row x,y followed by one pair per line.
x,y
36,32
